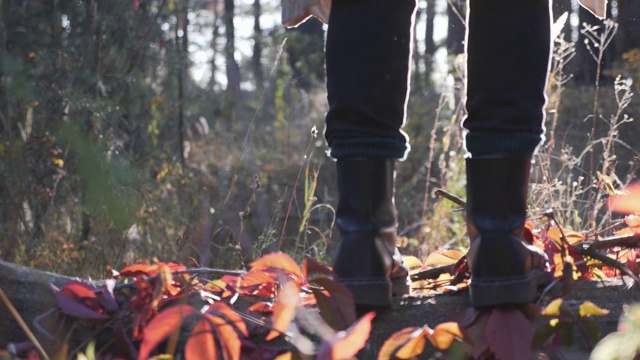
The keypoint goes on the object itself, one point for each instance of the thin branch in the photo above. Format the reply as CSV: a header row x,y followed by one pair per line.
x,y
451,197
23,325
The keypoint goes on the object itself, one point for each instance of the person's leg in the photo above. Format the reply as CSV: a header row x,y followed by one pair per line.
x,y
367,59
508,49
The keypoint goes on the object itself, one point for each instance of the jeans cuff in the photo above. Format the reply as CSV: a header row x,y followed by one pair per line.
x,y
488,144
368,148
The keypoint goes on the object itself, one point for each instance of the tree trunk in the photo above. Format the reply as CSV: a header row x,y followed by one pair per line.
x,y
232,67
215,38
182,44
628,37
305,50
456,26
429,42
256,59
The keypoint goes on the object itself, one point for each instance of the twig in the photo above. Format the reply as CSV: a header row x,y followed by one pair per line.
x,y
199,271
630,241
592,253
23,325
456,200
432,273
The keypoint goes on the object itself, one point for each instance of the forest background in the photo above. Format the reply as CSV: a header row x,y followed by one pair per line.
x,y
190,130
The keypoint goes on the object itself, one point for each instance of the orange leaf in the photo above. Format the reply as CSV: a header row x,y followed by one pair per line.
x,y
312,267
448,257
201,344
277,260
167,279
253,278
632,261
403,344
509,334
261,307
284,309
161,326
346,344
573,237
443,335
229,339
627,202
624,232
632,220
285,356
221,309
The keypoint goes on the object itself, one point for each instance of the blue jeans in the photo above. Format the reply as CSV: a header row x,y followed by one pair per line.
x,y
368,60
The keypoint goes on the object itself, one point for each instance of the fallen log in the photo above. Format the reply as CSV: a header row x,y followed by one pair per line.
x,y
30,292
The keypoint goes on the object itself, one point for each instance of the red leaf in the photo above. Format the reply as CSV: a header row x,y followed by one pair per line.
x,y
312,267
509,334
338,309
83,293
107,299
73,308
261,307
123,343
139,270
345,344
277,260
161,326
201,344
627,202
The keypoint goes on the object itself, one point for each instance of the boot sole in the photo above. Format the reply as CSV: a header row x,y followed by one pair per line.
x,y
506,291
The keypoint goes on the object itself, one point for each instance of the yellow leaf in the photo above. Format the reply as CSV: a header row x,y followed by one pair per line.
x,y
444,334
58,162
448,257
171,5
632,220
588,308
403,344
553,309
627,202
285,356
412,262
572,237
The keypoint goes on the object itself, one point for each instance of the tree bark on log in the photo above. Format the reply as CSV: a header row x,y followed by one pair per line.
x,y
30,292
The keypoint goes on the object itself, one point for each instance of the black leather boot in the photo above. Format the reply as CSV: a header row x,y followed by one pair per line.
x,y
505,268
367,261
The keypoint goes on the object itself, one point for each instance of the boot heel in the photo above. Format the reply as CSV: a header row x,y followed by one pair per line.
x,y
505,291
400,286
369,292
